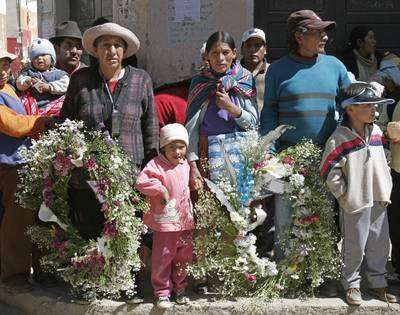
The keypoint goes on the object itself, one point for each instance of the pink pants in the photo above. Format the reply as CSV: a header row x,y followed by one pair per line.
x,y
172,252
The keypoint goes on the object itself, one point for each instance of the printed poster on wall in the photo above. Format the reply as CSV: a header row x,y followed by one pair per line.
x,y
190,21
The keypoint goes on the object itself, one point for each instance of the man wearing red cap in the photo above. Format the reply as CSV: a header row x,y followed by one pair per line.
x,y
301,90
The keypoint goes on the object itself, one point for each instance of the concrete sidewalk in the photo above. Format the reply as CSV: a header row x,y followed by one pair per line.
x,y
41,301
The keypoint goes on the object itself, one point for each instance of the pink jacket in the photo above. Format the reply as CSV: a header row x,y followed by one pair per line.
x,y
160,175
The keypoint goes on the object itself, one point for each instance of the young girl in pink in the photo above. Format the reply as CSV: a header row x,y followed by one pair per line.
x,y
165,182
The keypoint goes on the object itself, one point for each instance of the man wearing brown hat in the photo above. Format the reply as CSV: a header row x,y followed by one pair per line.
x,y
68,45
301,90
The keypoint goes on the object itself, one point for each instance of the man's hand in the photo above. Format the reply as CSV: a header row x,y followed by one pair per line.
x,y
3,77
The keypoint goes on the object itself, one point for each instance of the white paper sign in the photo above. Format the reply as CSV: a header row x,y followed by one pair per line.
x,y
180,33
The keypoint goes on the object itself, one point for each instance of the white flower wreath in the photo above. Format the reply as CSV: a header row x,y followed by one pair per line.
x,y
225,216
101,267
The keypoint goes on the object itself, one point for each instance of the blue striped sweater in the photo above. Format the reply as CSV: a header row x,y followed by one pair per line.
x,y
302,93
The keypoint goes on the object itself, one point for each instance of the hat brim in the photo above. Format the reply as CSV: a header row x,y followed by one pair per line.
x,y
112,29
53,39
360,100
255,36
8,56
322,25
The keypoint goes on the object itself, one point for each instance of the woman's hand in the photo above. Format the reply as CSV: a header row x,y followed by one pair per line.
x,y
195,178
224,102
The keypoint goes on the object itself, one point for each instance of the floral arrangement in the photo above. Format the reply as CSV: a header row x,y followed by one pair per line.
x,y
226,215
310,241
94,268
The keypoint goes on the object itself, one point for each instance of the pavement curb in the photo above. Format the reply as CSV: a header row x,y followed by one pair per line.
x,y
40,301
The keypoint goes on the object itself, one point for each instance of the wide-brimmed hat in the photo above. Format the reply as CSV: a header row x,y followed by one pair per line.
x,y
67,29
366,96
6,54
113,29
304,20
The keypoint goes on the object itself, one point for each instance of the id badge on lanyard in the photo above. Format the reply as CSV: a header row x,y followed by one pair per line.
x,y
115,116
115,123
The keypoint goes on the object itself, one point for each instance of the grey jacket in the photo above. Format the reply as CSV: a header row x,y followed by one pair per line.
x,y
355,169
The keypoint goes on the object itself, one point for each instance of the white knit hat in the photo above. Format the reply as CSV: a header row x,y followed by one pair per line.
x,y
173,132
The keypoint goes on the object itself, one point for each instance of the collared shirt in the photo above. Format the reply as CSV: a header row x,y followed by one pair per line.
x,y
71,72
85,100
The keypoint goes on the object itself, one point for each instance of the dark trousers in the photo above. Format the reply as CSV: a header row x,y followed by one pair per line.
x,y
394,221
15,245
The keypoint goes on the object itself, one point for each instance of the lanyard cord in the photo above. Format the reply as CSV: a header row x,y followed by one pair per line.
x,y
109,93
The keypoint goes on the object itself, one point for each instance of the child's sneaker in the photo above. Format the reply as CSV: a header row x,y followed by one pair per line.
x,y
181,298
353,296
163,302
382,294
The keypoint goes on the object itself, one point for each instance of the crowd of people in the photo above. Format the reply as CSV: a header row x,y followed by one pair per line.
x,y
169,132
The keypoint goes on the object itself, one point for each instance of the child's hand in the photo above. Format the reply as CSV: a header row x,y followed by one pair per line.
x,y
29,82
195,178
42,87
165,197
393,131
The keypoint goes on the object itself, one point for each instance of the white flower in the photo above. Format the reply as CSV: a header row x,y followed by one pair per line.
x,y
275,168
246,211
102,247
297,180
252,251
245,242
235,217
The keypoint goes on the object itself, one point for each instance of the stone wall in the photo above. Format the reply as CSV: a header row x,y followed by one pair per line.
x,y
170,50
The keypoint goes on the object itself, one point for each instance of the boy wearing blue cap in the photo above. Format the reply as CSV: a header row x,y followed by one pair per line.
x,y
355,168
44,81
